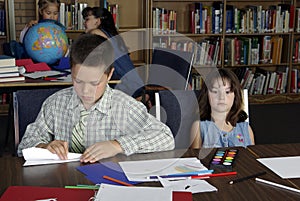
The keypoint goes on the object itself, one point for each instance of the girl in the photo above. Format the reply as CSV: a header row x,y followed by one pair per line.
x,y
222,119
48,9
100,21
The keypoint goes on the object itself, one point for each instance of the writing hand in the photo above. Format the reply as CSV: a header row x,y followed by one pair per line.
x,y
58,147
101,150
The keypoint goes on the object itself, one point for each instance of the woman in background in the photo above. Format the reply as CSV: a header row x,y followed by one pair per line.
x,y
100,21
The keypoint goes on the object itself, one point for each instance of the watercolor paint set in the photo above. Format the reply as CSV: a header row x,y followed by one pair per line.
x,y
223,158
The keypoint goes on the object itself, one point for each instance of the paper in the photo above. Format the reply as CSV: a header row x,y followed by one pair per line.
x,y
285,167
41,74
188,185
140,170
40,156
109,192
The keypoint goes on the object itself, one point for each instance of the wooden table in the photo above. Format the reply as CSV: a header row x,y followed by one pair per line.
x,y
59,175
277,150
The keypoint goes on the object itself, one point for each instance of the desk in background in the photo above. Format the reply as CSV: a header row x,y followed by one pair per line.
x,y
59,175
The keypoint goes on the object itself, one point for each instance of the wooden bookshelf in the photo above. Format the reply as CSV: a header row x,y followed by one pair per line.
x,y
286,52
132,17
4,36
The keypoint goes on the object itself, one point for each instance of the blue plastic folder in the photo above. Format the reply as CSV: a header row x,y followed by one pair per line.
x,y
95,173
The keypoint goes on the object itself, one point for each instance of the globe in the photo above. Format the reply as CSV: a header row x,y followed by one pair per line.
x,y
46,42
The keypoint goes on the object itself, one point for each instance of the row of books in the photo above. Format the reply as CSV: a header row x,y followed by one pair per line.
x,y
70,15
3,98
296,51
256,19
262,82
207,51
163,21
2,20
206,19
253,50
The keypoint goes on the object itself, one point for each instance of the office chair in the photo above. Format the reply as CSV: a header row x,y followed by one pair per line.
x,y
27,104
170,69
178,109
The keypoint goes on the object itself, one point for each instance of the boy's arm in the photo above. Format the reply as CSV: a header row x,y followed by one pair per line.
x,y
145,133
37,132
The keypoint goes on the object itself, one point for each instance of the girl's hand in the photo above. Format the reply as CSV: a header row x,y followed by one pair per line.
x,y
31,23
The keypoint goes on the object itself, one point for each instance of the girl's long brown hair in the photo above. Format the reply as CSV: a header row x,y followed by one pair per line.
x,y
236,113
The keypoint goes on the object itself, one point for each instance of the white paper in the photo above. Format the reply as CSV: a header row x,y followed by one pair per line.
x,y
40,156
140,170
285,167
41,74
188,185
109,192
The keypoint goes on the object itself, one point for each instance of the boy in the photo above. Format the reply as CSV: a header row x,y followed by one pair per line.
x,y
115,123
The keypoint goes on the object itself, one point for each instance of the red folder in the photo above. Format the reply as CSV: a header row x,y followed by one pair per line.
x,y
30,193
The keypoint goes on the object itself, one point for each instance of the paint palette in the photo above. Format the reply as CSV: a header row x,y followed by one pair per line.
x,y
223,158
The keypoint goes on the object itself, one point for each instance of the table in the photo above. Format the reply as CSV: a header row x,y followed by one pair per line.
x,y
59,175
277,150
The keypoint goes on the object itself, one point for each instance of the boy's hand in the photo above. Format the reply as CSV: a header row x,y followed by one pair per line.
x,y
101,150
57,147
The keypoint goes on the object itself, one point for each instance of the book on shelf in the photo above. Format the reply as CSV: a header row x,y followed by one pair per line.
x,y
12,79
6,61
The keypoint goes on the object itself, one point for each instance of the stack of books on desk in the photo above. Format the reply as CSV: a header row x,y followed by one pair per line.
x,y
8,70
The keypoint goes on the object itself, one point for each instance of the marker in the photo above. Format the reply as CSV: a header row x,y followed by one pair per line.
x,y
117,181
278,185
214,175
247,177
91,187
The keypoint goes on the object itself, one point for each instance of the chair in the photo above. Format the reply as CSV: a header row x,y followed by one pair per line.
x,y
27,104
246,102
170,69
178,109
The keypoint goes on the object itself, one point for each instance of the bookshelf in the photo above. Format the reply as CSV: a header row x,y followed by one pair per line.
x,y
274,45
4,30
132,17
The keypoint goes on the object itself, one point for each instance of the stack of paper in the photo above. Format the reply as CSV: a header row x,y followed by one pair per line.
x,y
40,156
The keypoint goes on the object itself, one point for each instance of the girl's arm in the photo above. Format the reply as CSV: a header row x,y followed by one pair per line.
x,y
196,141
251,135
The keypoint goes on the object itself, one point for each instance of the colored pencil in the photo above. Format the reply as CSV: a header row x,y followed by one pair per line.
x,y
117,181
247,177
214,175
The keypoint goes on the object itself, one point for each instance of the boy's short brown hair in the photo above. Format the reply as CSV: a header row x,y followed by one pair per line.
x,y
93,51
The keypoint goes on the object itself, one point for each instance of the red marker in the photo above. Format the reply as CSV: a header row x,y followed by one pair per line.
x,y
205,176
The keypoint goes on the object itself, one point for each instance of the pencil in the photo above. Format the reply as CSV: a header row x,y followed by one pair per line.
x,y
278,185
247,177
117,181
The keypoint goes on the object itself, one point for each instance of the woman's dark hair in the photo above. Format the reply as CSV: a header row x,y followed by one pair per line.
x,y
107,22
236,113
